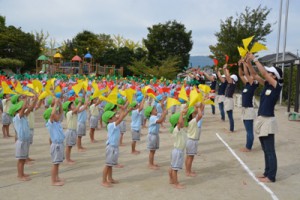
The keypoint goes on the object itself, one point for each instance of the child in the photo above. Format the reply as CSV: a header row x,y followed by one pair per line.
x,y
153,132
94,117
112,149
122,104
177,155
71,133
81,123
23,134
31,120
136,123
6,119
57,137
193,135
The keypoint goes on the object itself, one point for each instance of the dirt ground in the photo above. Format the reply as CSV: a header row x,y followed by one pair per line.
x,y
219,174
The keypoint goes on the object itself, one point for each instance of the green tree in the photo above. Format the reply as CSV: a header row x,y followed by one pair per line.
x,y
16,44
169,39
234,30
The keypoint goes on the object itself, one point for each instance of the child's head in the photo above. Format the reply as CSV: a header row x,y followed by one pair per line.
x,y
173,121
150,110
109,117
15,98
159,98
15,108
67,106
110,107
133,105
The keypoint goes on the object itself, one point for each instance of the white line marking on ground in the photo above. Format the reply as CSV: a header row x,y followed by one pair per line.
x,y
274,197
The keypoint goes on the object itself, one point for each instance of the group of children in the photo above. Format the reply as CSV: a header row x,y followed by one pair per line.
x,y
185,126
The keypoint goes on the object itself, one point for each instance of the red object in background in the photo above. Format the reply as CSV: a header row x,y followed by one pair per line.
x,y
166,90
151,91
72,98
216,62
226,58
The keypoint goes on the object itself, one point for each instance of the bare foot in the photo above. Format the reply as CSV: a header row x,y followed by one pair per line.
x,y
60,180
58,183
260,176
119,166
26,175
191,174
106,184
28,162
24,178
244,149
82,149
10,136
112,181
179,186
31,159
70,162
154,167
265,180
135,152
94,141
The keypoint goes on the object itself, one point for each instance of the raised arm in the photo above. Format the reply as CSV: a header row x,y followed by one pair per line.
x,y
242,72
253,73
227,75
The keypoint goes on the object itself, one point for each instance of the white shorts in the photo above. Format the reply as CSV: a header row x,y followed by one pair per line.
x,y
112,155
152,142
81,129
191,147
71,137
177,158
136,135
57,153
6,119
93,121
31,136
123,127
22,149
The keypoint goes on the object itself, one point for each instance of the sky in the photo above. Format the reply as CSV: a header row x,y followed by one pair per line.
x,y
64,19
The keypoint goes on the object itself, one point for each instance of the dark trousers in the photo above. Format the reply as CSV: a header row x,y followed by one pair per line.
x,y
221,108
231,121
249,130
268,146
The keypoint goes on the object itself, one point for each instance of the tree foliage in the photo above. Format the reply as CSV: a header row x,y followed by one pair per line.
x,y
168,68
169,39
234,30
16,44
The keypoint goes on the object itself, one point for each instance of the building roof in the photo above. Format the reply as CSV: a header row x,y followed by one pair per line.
x,y
272,57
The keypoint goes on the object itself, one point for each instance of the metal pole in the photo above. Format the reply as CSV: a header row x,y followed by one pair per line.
x,y
284,41
279,30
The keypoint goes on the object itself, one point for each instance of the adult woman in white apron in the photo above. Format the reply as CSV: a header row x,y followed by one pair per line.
x,y
248,113
265,125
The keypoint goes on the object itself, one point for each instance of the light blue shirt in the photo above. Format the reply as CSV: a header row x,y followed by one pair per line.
x,y
199,123
136,120
82,116
153,126
159,109
56,131
22,127
113,134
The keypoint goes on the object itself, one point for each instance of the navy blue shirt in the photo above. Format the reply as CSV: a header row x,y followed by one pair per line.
x,y
268,99
213,85
230,90
222,88
248,93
